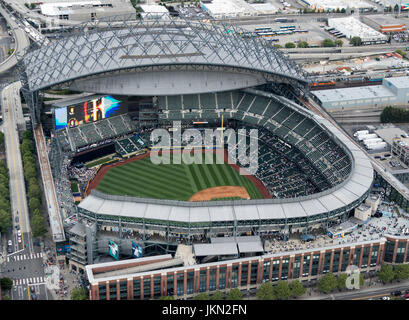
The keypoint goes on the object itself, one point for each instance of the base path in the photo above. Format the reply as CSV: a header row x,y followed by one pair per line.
x,y
220,192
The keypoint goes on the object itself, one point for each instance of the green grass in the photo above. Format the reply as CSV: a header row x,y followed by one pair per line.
x,y
142,178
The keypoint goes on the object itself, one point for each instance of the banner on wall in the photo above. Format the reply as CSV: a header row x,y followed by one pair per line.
x,y
136,250
113,249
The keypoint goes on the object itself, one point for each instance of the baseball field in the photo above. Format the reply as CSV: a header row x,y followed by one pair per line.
x,y
142,178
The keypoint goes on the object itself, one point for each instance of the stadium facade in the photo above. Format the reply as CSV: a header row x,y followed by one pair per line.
x,y
195,70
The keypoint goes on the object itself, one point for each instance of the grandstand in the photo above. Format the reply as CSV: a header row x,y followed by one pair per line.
x,y
94,132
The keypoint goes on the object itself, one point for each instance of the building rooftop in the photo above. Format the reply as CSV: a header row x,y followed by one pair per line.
x,y
354,93
390,133
215,249
356,27
78,229
398,82
386,20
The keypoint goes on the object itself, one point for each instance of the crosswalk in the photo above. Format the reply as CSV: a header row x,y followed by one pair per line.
x,y
22,257
33,280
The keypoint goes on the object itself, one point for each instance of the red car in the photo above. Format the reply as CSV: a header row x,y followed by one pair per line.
x,y
407,296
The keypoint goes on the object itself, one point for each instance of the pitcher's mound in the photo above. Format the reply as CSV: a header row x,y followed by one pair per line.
x,y
220,192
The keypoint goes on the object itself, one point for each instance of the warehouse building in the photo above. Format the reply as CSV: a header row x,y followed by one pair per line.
x,y
220,9
86,10
352,27
393,92
385,23
336,4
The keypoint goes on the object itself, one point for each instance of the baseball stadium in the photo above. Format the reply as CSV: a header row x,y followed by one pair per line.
x,y
129,77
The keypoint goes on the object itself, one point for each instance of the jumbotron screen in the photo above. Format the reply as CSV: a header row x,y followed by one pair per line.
x,y
88,111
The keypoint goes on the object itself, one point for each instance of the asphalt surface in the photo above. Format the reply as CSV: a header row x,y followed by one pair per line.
x,y
25,262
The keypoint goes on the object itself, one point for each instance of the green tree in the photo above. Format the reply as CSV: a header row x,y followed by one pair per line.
x,y
4,203
167,298
361,280
34,203
234,294
402,53
276,45
79,294
34,190
339,43
328,43
355,41
386,273
30,172
4,179
401,272
218,295
297,289
6,283
38,225
266,291
1,140
327,283
302,44
282,290
4,191
5,221
202,296
343,10
290,45
27,135
341,281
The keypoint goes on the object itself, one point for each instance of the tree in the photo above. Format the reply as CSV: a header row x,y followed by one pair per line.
x,y
343,10
401,272
218,295
290,45
339,43
275,45
282,290
34,203
167,298
341,281
79,294
328,43
34,190
302,44
202,296
327,283
355,41
234,294
37,225
266,292
361,280
6,283
5,221
386,273
297,289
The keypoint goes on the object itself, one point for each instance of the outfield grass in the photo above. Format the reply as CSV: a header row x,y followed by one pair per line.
x,y
142,178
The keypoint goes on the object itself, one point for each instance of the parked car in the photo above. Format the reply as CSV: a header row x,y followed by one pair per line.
x,y
396,293
386,298
19,233
10,243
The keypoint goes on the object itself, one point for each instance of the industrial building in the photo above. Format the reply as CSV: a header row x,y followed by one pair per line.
x,y
385,23
335,4
393,92
219,9
352,27
86,10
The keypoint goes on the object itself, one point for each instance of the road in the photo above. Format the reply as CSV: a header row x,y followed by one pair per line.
x,y
26,261
21,42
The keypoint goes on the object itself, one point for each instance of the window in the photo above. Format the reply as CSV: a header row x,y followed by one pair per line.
x,y
102,291
254,269
234,275
327,262
284,269
112,291
306,266
212,281
390,247
266,270
276,266
335,261
357,256
315,262
202,283
296,268
345,257
365,257
147,288
123,289
169,285
180,284
374,255
190,282
222,277
156,286
244,273
400,252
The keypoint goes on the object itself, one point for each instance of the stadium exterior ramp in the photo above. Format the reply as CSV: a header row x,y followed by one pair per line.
x,y
241,215
173,55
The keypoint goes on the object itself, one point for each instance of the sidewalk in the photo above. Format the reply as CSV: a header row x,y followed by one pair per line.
x,y
314,294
